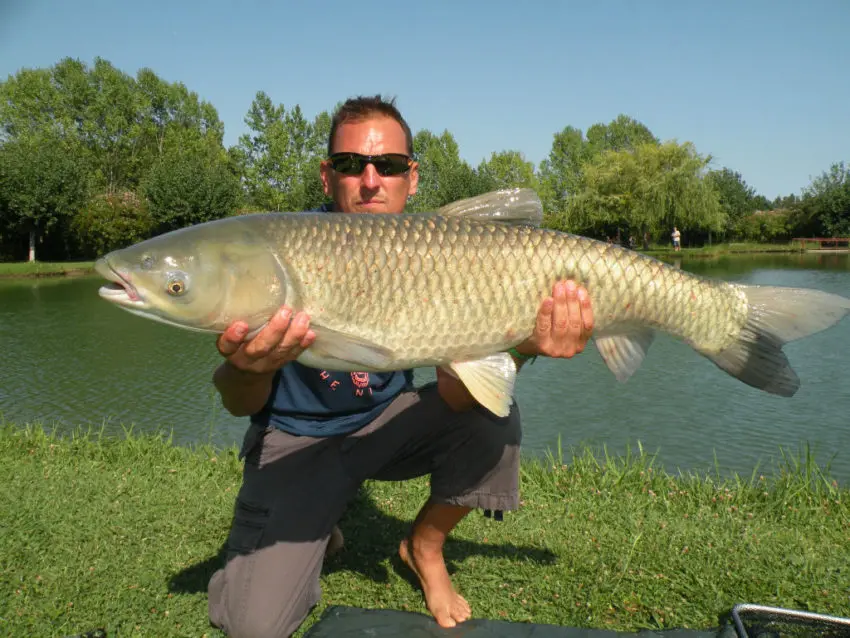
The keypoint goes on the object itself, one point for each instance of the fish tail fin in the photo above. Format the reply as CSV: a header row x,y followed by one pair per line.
x,y
776,316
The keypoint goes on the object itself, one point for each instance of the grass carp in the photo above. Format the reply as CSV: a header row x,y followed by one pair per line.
x,y
454,289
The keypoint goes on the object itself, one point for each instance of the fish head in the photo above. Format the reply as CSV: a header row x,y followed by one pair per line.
x,y
200,278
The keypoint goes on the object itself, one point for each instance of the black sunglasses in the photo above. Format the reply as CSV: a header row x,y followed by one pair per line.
x,y
355,163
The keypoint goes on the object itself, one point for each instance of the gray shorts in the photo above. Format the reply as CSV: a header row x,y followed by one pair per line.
x,y
296,488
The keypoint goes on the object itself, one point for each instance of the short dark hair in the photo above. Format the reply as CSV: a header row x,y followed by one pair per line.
x,y
363,107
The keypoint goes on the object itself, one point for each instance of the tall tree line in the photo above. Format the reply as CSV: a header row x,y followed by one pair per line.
x,y
92,159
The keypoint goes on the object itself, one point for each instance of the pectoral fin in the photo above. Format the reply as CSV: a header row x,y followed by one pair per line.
x,y
624,352
490,381
512,206
342,351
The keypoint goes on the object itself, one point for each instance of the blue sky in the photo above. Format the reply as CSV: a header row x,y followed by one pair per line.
x,y
762,86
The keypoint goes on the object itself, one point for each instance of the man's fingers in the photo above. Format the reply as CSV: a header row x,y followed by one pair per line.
x,y
586,310
268,339
231,339
544,319
560,311
573,310
297,332
308,340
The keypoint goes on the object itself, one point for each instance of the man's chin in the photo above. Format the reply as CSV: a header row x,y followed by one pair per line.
x,y
371,207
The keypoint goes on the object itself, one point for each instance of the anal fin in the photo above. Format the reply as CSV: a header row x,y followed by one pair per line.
x,y
489,380
624,352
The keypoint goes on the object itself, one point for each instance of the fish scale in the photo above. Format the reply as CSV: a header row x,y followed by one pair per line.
x,y
464,288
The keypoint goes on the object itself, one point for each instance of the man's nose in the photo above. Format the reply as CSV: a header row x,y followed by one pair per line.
x,y
370,178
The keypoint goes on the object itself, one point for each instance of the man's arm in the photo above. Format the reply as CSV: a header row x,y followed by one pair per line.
x,y
563,328
244,380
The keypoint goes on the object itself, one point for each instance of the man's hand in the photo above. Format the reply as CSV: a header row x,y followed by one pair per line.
x,y
244,381
564,323
282,340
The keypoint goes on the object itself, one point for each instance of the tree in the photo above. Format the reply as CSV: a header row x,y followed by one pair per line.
x,y
623,133
29,103
736,197
281,156
508,169
42,183
561,173
764,226
109,222
313,190
443,176
827,199
122,124
186,188
649,189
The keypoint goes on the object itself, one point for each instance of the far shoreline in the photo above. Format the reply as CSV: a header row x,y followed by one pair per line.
x,y
38,270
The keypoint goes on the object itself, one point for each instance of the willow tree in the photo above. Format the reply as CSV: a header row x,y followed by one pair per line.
x,y
561,173
646,190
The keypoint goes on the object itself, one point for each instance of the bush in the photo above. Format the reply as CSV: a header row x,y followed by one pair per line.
x,y
764,226
183,189
111,221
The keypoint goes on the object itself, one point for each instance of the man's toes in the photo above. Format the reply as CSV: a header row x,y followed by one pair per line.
x,y
444,619
461,610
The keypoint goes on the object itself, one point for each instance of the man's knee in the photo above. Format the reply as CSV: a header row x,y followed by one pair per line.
x,y
483,469
241,611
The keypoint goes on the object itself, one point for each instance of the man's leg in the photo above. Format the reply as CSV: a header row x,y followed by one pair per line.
x,y
422,551
473,459
293,492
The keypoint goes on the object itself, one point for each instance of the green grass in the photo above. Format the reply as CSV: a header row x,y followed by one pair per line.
x,y
730,248
44,269
124,534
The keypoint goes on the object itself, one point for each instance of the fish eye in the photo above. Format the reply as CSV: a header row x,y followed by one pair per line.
x,y
147,262
176,286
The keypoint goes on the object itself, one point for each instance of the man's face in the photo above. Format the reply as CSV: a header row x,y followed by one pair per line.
x,y
369,192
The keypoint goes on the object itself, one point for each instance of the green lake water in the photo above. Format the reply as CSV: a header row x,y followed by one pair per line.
x,y
70,359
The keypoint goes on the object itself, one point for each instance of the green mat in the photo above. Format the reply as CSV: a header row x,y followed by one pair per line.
x,y
352,622
744,621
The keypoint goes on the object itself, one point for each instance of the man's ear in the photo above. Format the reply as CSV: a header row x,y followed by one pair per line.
x,y
414,179
325,173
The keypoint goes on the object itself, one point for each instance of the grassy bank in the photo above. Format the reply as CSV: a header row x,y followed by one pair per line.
x,y
50,269
45,269
124,534
716,250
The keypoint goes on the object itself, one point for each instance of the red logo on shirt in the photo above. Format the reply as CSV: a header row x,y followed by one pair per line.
x,y
360,379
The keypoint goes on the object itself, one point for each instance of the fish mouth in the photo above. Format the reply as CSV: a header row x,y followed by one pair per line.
x,y
119,290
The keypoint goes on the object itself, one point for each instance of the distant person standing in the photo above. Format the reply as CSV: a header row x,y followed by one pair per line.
x,y
677,239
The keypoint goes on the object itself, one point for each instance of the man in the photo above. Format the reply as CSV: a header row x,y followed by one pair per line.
x,y
316,435
677,239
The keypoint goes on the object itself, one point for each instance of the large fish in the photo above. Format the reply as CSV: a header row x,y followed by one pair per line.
x,y
454,289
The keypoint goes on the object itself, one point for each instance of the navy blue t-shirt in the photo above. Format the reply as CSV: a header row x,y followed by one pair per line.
x,y
311,402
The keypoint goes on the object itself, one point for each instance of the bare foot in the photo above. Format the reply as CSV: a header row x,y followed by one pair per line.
x,y
445,604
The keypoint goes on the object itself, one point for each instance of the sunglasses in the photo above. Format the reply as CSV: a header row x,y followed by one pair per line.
x,y
355,163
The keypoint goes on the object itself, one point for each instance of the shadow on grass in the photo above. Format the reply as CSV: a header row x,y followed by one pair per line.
x,y
371,536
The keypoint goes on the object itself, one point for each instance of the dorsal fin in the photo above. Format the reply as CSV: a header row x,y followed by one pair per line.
x,y
512,206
